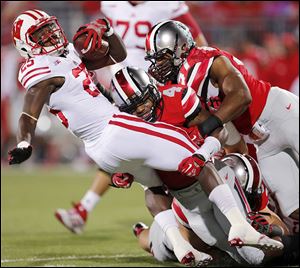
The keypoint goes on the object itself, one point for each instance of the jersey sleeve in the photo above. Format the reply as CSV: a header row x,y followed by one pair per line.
x,y
35,70
191,104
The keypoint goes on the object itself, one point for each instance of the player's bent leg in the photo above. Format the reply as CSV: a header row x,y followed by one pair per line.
x,y
163,249
73,219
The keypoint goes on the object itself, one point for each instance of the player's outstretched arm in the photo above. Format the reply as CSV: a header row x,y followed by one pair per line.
x,y
34,100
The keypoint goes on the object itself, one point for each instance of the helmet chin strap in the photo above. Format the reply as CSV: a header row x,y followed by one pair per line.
x,y
177,61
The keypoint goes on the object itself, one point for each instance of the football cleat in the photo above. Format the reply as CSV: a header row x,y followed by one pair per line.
x,y
74,219
242,235
196,259
138,228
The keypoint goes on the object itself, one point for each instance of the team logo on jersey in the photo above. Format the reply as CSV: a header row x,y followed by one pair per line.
x,y
57,62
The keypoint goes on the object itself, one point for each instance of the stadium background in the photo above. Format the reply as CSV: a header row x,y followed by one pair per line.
x,y
263,34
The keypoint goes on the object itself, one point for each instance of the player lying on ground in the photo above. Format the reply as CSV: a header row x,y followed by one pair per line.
x,y
153,240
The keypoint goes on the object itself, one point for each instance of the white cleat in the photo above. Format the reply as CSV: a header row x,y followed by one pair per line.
x,y
194,258
73,219
243,235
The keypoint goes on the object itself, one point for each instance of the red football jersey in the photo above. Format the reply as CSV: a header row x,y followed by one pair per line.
x,y
179,104
195,73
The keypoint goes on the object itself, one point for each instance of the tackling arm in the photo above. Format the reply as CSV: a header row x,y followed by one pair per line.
x,y
231,82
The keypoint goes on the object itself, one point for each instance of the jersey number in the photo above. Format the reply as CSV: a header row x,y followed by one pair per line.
x,y
141,28
88,86
26,64
170,92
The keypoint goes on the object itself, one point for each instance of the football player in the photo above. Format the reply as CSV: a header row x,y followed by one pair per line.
x,y
252,197
267,115
246,171
131,20
55,75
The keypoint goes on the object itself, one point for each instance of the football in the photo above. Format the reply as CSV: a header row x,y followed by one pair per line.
x,y
89,53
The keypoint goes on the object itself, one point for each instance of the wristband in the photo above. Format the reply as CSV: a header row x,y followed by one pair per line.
x,y
110,32
209,125
23,144
210,146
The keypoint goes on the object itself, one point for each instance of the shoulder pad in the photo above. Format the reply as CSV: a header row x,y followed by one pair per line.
x,y
35,70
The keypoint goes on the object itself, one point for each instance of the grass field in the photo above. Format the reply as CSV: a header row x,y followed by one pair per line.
x,y
31,236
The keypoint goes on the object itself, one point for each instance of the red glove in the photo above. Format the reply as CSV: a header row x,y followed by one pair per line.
x,y
214,102
192,166
122,180
94,31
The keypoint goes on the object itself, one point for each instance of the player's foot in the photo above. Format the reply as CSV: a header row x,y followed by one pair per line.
x,y
243,235
196,258
74,219
138,228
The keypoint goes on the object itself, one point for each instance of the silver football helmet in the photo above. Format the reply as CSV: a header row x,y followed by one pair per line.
x,y
167,46
249,176
130,87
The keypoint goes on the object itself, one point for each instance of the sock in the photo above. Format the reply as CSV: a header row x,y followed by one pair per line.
x,y
167,221
90,200
224,200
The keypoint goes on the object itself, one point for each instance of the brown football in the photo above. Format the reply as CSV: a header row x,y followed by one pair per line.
x,y
91,55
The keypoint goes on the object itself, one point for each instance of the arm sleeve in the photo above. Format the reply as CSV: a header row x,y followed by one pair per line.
x,y
191,105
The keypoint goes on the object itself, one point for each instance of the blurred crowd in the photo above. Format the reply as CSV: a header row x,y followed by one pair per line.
x,y
263,34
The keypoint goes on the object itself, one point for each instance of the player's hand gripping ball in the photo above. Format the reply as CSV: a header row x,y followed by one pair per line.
x,y
90,40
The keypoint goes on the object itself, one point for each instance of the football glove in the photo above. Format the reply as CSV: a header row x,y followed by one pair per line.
x,y
19,154
192,166
122,180
94,32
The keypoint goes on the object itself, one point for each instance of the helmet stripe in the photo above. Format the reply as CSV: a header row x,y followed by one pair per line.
x,y
130,81
29,14
38,11
119,89
256,173
152,43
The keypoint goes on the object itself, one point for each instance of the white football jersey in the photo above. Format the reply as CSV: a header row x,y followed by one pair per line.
x,y
78,103
132,23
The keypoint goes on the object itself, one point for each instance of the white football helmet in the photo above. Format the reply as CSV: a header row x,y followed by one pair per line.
x,y
249,176
35,33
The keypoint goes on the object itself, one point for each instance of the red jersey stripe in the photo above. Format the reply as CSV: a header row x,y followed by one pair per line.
x,y
158,125
33,70
153,133
46,72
